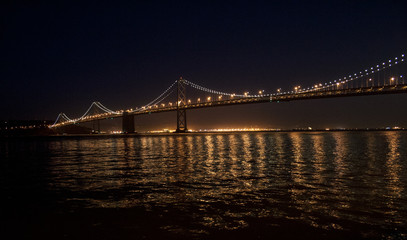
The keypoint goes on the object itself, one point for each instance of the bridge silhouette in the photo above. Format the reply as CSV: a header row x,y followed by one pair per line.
x,y
388,77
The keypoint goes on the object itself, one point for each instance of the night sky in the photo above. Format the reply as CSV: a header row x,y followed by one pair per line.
x,y
59,56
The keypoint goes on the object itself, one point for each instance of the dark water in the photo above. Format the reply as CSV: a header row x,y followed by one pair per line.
x,y
244,186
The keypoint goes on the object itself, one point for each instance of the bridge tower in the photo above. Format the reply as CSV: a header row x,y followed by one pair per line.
x,y
96,123
181,102
127,123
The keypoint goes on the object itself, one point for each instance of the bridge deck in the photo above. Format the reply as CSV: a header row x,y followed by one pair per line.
x,y
394,89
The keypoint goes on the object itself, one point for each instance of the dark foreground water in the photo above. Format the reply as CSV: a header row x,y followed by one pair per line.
x,y
337,185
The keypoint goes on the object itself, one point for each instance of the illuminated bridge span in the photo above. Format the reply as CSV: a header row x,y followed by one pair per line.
x,y
384,78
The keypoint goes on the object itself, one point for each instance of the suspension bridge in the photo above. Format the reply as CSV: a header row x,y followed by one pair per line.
x,y
385,78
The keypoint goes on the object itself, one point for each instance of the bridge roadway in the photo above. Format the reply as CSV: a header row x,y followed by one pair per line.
x,y
392,89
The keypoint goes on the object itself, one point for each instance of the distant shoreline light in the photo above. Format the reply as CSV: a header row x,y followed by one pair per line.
x,y
274,130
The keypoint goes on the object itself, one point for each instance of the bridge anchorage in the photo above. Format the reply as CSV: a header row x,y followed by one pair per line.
x,y
388,77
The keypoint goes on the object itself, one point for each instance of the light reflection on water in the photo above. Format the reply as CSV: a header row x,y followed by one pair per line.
x,y
326,180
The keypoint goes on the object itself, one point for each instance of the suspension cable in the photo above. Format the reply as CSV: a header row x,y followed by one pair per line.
x,y
159,97
196,86
355,76
98,104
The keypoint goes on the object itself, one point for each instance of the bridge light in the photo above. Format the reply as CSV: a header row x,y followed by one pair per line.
x,y
189,100
209,98
220,97
199,99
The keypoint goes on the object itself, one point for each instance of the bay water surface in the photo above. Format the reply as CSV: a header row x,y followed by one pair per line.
x,y
281,185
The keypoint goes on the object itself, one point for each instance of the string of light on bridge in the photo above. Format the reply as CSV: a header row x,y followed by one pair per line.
x,y
352,77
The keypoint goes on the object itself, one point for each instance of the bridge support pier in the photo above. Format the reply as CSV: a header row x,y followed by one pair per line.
x,y
96,126
181,111
127,123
